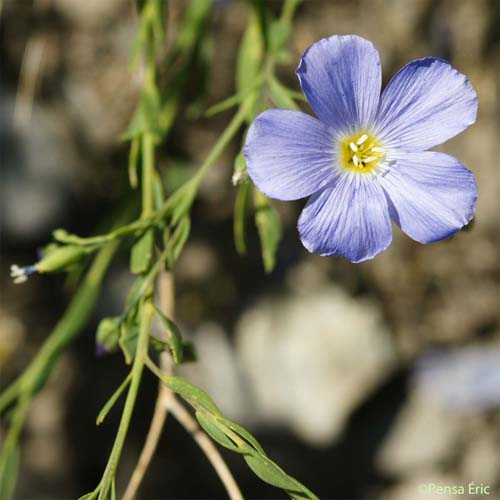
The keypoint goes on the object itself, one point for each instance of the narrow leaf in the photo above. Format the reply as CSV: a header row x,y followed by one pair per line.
x,y
89,496
178,239
192,394
224,105
133,158
158,192
269,472
269,228
215,430
242,432
241,205
250,56
129,333
195,396
112,400
142,253
174,337
8,475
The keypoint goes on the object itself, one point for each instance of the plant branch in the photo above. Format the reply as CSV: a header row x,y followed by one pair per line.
x,y
207,446
167,305
137,369
69,326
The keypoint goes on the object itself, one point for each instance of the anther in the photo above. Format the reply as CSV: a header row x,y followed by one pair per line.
x,y
353,147
362,139
20,274
355,159
376,149
370,158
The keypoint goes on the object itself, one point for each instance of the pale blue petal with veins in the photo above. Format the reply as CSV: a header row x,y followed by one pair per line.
x,y
364,161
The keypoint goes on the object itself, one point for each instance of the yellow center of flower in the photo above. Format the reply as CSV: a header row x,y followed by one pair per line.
x,y
361,152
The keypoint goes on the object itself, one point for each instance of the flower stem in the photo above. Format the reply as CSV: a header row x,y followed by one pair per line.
x,y
69,326
226,137
148,160
137,368
288,10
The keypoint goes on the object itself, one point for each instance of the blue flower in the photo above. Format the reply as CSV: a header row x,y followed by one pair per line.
x,y
365,161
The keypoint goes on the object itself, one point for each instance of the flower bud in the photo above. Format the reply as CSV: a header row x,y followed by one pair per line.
x,y
60,258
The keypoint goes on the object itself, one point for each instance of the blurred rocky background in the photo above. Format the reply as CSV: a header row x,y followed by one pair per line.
x,y
363,381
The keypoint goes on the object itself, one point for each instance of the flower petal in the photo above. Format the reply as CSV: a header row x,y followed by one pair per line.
x,y
431,195
341,78
351,219
426,103
290,155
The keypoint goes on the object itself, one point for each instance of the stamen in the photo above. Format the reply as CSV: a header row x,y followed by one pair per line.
x,y
20,274
355,159
370,158
353,147
376,149
362,139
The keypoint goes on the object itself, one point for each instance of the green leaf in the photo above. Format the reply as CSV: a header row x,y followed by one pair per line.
x,y
250,57
240,174
8,475
216,431
242,432
142,253
279,33
192,22
241,206
168,113
178,239
224,105
89,496
195,396
158,193
108,333
269,228
133,158
129,334
112,400
272,474
134,293
269,472
179,202
174,337
146,118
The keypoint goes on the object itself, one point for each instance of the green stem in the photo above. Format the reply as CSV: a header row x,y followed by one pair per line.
x,y
148,161
70,325
288,10
16,425
226,137
10,394
137,369
133,227
66,330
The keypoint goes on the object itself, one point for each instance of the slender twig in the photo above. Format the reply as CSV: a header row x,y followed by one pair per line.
x,y
137,368
185,418
167,305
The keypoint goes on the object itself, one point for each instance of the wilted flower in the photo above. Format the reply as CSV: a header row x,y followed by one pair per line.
x,y
365,161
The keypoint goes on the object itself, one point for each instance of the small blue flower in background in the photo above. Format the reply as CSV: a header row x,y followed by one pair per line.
x,y
364,162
